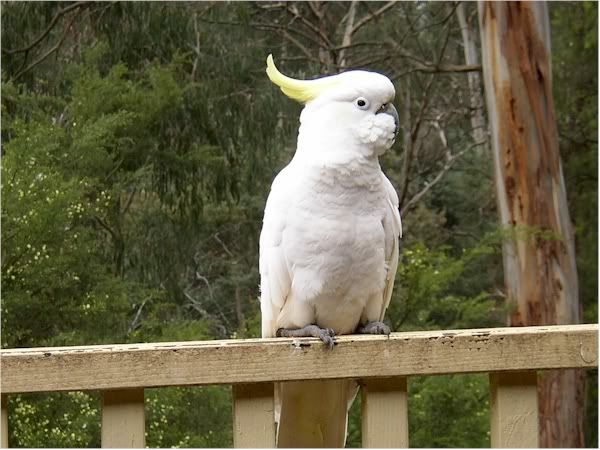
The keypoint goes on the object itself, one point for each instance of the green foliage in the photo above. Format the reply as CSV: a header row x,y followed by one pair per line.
x,y
51,255
70,420
575,39
591,408
449,411
432,296
189,417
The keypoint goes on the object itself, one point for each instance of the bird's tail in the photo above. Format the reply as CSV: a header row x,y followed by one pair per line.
x,y
313,413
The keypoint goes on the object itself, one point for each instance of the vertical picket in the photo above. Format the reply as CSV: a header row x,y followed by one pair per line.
x,y
4,422
253,420
384,413
514,410
123,419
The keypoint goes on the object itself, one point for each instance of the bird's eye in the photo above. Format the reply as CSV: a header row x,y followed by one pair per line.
x,y
362,103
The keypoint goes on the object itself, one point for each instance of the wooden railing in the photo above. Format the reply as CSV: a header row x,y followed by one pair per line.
x,y
382,364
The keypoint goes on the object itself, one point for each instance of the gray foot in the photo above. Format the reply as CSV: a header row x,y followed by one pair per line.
x,y
325,334
374,328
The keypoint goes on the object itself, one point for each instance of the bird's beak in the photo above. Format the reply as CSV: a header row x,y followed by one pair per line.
x,y
388,108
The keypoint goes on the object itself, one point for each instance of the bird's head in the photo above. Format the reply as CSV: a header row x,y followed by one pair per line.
x,y
351,110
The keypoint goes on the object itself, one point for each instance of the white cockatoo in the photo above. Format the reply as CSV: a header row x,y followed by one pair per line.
x,y
329,242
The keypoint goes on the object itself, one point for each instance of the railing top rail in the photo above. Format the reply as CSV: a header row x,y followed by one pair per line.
x,y
283,359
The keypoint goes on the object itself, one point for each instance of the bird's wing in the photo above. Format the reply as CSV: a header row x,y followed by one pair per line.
x,y
275,277
392,225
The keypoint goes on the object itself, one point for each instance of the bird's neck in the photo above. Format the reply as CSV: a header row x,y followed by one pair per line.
x,y
334,147
338,162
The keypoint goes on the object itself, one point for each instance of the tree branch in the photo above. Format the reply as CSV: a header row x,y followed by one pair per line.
x,y
280,28
134,322
430,67
412,141
294,11
299,45
106,227
52,50
218,239
371,16
314,10
195,48
48,29
457,68
128,202
449,163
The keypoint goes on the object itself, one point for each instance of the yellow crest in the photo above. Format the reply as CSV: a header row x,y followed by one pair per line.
x,y
300,90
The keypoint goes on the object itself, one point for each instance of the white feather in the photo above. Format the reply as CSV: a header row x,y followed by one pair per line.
x,y
329,243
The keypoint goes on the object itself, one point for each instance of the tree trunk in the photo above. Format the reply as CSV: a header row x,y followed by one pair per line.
x,y
539,252
473,77
347,38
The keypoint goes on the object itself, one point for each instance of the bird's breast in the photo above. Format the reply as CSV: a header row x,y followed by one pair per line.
x,y
334,240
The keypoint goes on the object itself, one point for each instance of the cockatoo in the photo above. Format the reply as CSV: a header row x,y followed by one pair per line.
x,y
329,242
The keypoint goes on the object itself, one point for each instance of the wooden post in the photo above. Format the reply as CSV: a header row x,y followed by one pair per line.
x,y
514,410
4,422
253,419
123,419
384,413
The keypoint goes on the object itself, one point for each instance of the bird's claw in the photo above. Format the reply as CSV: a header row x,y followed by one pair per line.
x,y
325,334
374,328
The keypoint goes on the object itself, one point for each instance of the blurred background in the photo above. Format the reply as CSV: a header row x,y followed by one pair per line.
x,y
139,143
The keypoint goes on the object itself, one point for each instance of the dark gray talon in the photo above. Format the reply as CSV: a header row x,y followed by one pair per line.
x,y
374,328
327,339
325,334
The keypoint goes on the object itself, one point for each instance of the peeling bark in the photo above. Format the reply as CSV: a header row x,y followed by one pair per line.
x,y
539,254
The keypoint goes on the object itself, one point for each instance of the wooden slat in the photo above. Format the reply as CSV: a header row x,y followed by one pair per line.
x,y
4,421
253,421
384,413
287,359
123,419
514,410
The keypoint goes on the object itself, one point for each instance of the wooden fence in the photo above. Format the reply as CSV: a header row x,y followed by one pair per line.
x,y
511,356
